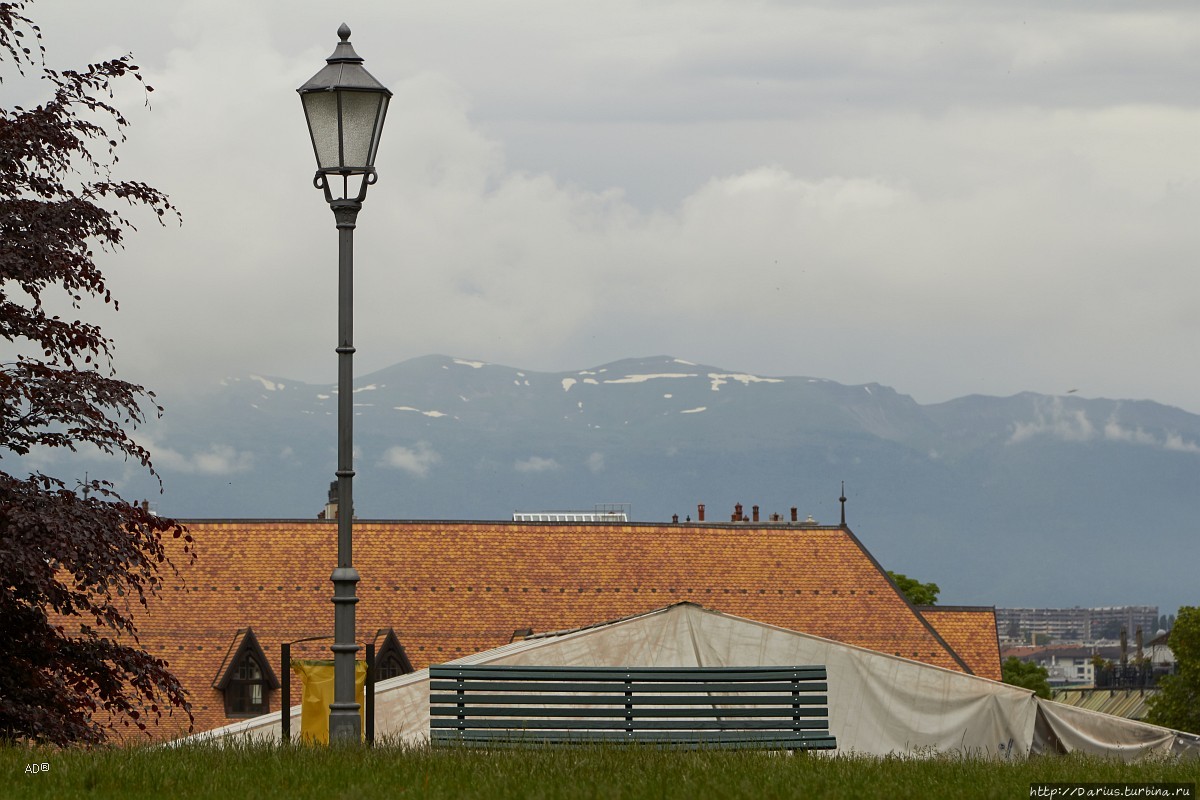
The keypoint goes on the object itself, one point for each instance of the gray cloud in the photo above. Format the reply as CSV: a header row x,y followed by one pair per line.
x,y
946,201
416,461
537,464
215,459
1052,419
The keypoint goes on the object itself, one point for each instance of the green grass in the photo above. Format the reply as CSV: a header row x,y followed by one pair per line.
x,y
270,771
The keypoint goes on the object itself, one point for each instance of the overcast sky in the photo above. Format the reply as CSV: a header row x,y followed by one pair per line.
x,y
948,198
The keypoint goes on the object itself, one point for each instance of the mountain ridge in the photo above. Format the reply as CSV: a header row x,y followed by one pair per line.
x,y
975,493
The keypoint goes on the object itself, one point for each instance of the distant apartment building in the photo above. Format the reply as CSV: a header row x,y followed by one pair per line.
x,y
1044,625
1071,665
1100,666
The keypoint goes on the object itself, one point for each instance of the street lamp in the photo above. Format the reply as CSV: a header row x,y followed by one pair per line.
x,y
345,107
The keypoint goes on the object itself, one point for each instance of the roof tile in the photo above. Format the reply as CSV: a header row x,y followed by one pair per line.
x,y
971,631
453,588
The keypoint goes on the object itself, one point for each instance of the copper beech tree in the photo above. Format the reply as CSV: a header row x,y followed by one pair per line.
x,y
76,559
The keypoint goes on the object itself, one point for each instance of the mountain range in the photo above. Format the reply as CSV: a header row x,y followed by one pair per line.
x,y
1028,500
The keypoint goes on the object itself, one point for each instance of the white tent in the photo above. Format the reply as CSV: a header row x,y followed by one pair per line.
x,y
878,703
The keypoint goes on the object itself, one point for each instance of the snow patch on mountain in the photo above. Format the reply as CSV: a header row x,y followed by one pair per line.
x,y
720,379
644,378
434,414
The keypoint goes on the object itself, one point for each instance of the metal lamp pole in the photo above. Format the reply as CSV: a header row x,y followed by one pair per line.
x,y
345,108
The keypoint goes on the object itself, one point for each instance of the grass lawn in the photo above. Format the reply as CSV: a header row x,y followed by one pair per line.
x,y
275,771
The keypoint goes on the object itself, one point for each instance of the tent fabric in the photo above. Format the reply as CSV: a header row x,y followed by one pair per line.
x,y
879,704
1064,728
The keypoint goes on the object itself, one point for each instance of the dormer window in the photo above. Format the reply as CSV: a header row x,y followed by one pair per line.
x,y
246,693
245,677
391,661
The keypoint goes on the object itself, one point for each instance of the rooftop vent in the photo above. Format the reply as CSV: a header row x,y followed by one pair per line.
x,y
570,516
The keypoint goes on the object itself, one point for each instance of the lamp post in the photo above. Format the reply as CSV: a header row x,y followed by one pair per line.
x,y
345,107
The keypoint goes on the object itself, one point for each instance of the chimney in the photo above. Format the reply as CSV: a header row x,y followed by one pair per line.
x,y
700,512
794,510
675,519
755,512
737,513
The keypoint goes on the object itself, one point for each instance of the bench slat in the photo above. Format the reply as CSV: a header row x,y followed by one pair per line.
x,y
638,712
642,724
657,674
618,686
700,700
723,739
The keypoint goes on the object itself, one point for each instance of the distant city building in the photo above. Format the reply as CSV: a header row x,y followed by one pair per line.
x,y
1045,625
1112,678
1065,665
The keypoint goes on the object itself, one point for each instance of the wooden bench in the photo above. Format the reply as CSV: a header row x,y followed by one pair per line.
x,y
773,708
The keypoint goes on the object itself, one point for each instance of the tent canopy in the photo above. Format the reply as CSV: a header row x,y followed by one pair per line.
x,y
879,704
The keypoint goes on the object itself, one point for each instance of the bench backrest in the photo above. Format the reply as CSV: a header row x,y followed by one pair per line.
x,y
776,707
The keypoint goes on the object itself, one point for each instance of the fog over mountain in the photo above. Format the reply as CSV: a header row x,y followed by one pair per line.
x,y
1022,500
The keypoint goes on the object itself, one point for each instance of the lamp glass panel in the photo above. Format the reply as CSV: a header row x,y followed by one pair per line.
x,y
378,134
321,110
359,113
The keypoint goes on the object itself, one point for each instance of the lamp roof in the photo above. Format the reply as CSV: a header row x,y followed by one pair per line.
x,y
344,70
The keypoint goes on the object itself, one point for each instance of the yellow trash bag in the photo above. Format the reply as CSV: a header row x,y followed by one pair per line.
x,y
316,676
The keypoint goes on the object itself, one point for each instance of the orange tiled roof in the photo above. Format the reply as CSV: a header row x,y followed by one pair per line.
x,y
454,588
971,631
